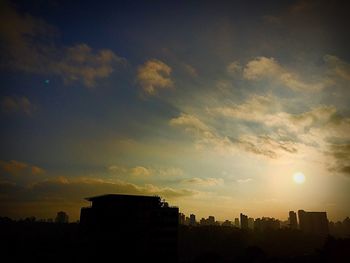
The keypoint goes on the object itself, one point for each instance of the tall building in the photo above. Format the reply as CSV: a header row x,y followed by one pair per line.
x,y
236,222
251,223
244,221
182,218
61,217
293,223
131,227
313,222
192,220
211,220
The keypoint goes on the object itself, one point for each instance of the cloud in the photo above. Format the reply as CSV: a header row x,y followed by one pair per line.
x,y
154,75
206,136
269,68
233,68
255,108
341,155
15,168
321,129
337,67
190,70
140,171
20,173
17,104
244,181
118,169
266,145
204,181
79,63
268,111
29,46
170,172
190,122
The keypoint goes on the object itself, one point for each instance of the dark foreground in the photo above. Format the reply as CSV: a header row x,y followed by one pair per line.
x,y
49,242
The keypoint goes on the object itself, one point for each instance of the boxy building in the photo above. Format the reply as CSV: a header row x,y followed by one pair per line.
x,y
131,227
313,222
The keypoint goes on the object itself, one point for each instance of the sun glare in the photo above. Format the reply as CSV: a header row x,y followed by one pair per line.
x,y
299,178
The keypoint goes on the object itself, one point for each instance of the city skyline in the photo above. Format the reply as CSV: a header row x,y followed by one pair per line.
x,y
221,108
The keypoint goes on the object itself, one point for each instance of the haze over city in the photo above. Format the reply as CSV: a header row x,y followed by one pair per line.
x,y
220,107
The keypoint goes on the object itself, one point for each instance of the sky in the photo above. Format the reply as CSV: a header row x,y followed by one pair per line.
x,y
213,106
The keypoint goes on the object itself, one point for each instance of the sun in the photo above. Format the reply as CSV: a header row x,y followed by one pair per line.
x,y
299,178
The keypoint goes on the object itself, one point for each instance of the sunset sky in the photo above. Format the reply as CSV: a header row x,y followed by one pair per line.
x,y
214,106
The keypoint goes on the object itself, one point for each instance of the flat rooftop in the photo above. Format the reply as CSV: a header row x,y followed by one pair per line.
x,y
110,197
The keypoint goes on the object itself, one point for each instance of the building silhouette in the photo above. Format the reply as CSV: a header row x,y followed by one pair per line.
x,y
244,221
133,227
211,220
313,222
193,220
227,223
182,219
61,217
236,222
251,223
293,223
266,223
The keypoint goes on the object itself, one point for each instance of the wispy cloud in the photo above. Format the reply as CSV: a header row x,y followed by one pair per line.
x,y
11,104
145,172
337,67
15,168
244,181
269,68
204,181
16,172
341,155
206,136
233,68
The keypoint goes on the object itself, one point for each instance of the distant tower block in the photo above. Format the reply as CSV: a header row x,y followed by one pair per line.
x,y
192,220
313,222
244,221
61,217
236,222
293,223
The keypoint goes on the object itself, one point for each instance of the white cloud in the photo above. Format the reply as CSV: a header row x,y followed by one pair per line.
x,y
154,75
